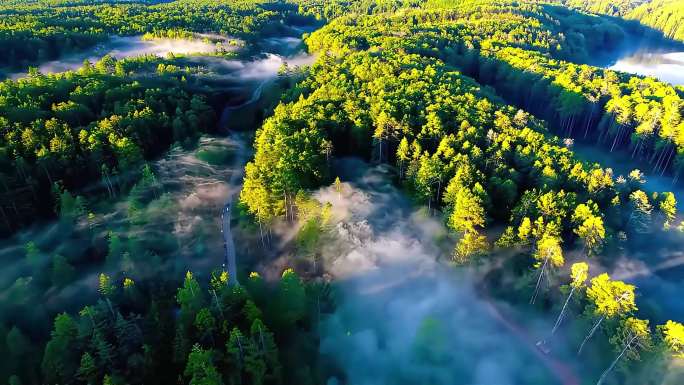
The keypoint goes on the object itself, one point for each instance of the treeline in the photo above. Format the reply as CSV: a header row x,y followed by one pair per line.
x,y
147,325
39,31
665,16
438,125
608,7
96,124
642,115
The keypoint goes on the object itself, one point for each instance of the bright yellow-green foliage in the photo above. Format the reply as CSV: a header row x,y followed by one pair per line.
x,y
668,206
579,272
86,126
548,251
663,15
105,285
525,230
633,336
589,227
637,327
521,49
472,244
611,298
40,30
128,283
467,212
673,335
608,7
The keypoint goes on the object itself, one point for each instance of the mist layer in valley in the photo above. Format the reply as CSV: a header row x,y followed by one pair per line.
x,y
163,229
121,47
665,66
405,314
153,232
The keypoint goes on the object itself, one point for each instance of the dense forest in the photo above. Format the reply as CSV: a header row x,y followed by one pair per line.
x,y
115,276
663,15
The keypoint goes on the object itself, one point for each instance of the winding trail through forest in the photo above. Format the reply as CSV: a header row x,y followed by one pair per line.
x,y
230,262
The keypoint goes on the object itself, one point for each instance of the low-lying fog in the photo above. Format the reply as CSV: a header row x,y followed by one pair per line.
x,y
405,316
621,163
666,66
175,228
129,46
653,261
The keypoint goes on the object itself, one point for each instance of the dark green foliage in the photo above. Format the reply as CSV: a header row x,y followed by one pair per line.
x,y
110,342
67,130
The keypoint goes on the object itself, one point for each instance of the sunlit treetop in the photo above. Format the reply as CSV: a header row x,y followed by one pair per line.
x,y
579,272
611,297
673,335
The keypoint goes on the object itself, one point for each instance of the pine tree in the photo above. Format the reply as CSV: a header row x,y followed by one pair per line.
x,y
62,272
87,372
673,337
200,368
60,359
235,356
266,345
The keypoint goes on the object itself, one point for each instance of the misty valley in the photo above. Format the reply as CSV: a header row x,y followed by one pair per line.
x,y
477,192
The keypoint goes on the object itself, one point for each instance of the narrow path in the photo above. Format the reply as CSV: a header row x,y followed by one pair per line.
x,y
229,262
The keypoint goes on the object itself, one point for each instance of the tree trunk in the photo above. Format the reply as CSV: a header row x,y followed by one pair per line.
x,y
615,361
539,280
667,161
591,333
218,305
591,117
261,235
617,137
560,316
47,173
